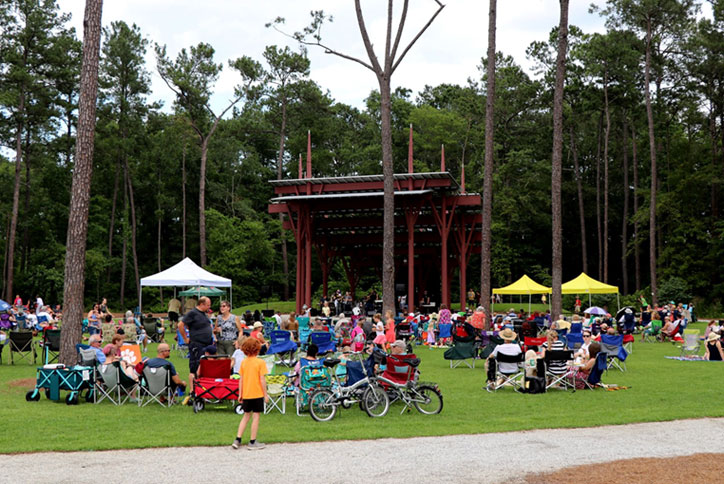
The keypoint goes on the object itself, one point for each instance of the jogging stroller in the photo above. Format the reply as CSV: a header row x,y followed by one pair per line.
x,y
214,384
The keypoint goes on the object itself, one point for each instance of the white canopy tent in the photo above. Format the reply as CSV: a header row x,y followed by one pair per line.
x,y
185,273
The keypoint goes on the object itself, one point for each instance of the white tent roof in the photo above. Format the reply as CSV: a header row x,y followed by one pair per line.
x,y
185,273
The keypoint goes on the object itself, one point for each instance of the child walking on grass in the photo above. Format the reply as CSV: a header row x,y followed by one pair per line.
x,y
252,392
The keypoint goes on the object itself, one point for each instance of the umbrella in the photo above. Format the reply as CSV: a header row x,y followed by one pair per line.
x,y
4,306
623,311
595,310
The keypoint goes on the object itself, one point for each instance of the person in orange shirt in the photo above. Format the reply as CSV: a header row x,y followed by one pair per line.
x,y
252,392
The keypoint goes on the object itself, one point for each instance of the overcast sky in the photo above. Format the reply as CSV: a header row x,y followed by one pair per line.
x,y
448,52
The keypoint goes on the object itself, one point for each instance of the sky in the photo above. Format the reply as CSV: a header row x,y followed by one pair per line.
x,y
448,52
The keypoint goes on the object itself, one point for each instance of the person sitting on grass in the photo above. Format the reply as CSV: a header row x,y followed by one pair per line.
x,y
162,353
252,392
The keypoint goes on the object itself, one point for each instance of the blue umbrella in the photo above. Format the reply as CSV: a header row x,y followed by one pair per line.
x,y
4,306
595,310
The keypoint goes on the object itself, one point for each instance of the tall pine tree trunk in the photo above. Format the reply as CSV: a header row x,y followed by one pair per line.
x,y
581,211
19,127
488,170
80,190
202,200
557,162
624,219
134,253
25,253
112,227
652,149
183,203
598,200
637,253
124,248
388,217
280,160
605,181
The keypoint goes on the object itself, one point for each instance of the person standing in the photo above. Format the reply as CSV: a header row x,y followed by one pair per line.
x,y
200,335
228,328
252,392
174,308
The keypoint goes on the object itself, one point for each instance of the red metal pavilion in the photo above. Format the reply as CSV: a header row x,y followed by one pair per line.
x,y
342,218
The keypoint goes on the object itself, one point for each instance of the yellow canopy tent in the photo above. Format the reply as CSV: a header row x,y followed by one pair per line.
x,y
585,284
524,285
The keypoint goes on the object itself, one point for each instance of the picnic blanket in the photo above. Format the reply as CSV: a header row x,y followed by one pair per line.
x,y
687,358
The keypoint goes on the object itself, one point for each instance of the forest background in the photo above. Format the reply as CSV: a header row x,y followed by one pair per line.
x,y
144,212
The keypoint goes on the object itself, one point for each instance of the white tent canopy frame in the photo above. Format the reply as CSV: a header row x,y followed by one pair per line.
x,y
185,273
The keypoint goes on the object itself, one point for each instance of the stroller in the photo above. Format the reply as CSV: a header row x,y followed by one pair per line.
x,y
215,385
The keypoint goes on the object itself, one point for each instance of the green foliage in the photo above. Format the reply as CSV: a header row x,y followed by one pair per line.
x,y
674,289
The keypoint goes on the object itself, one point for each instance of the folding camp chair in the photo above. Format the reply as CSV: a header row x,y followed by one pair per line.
x,y
594,378
612,345
537,343
181,347
501,379
150,325
692,344
628,341
107,332
21,342
557,370
277,387
671,335
156,386
462,352
51,345
653,331
269,325
304,330
112,383
323,340
283,347
576,328
574,341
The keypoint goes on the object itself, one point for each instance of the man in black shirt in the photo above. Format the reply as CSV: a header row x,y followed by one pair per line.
x,y
200,333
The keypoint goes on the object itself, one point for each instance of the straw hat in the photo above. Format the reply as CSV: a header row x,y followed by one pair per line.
x,y
508,334
258,325
712,337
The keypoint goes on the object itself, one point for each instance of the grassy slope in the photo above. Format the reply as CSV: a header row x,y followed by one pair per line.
x,y
660,389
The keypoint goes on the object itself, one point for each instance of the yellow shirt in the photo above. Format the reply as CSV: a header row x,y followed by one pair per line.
x,y
252,371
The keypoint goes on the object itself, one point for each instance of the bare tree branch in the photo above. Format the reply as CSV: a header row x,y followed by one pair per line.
x,y
401,26
366,40
388,36
419,34
327,49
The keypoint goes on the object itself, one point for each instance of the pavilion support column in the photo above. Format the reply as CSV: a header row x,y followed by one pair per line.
x,y
308,259
296,226
411,215
463,281
443,219
463,239
326,261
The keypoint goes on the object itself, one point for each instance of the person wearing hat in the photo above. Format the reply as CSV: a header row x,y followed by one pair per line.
x,y
507,348
714,351
258,333
398,347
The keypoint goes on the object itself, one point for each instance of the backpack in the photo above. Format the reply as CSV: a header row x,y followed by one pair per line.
x,y
534,384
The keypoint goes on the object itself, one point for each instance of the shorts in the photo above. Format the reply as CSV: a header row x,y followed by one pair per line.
x,y
173,316
254,405
196,351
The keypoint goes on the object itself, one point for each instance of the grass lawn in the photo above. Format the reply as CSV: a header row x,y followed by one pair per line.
x,y
660,389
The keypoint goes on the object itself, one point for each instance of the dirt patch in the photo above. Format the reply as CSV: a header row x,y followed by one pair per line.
x,y
693,469
23,382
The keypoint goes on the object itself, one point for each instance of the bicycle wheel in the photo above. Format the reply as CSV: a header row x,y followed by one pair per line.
x,y
321,405
428,400
376,402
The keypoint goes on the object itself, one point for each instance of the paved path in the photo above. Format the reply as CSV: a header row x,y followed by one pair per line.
x,y
493,458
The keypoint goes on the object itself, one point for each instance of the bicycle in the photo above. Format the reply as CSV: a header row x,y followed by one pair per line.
x,y
400,383
323,402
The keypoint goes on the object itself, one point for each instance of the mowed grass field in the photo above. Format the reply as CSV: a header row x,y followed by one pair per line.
x,y
659,390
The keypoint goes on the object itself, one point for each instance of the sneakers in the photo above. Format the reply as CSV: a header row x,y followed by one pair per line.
x,y
255,446
236,444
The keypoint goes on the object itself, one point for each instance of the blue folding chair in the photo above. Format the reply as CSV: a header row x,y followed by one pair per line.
x,y
612,346
303,330
445,330
574,341
594,378
323,340
576,328
283,347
